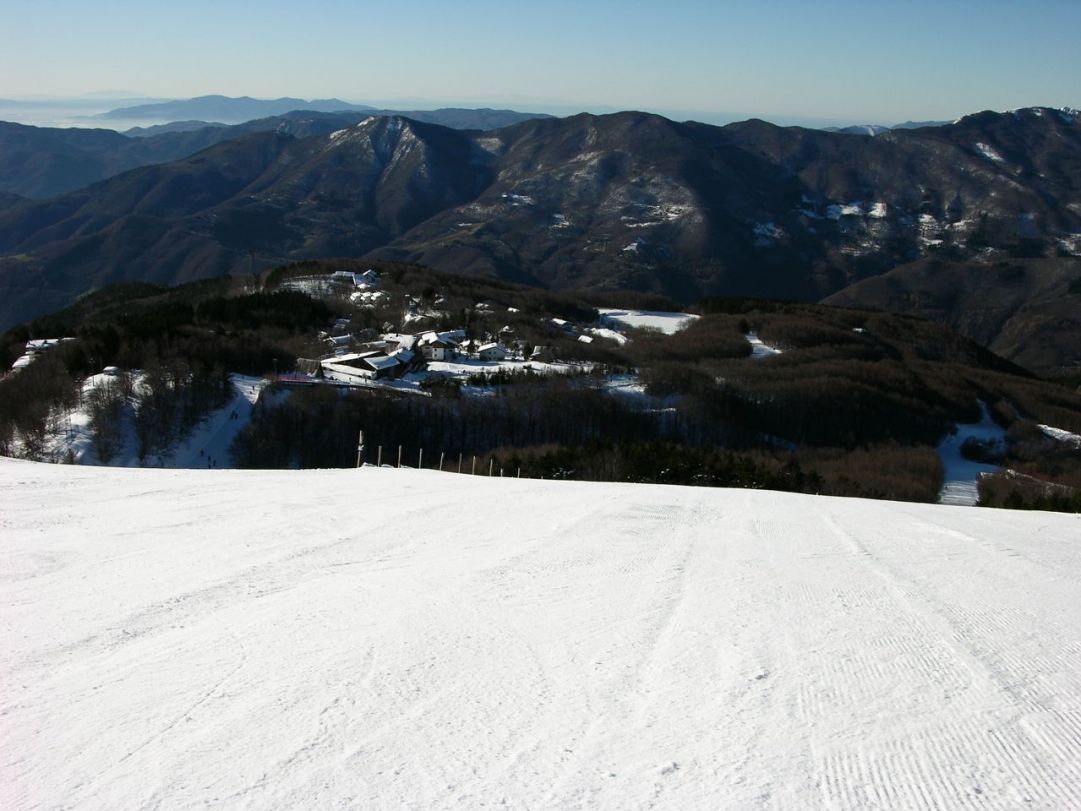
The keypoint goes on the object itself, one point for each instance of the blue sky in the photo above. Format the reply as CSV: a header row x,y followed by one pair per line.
x,y
878,61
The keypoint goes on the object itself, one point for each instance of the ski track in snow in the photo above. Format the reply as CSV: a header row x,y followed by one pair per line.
x,y
394,638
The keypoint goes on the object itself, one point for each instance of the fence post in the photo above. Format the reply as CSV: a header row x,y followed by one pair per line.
x,y
473,472
360,448
441,461
491,465
379,457
399,456
420,459
519,473
459,461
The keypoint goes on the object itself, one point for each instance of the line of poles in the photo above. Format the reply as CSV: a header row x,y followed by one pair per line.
x,y
420,459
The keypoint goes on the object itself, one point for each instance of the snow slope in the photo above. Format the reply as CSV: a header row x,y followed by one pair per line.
x,y
961,483
208,442
382,638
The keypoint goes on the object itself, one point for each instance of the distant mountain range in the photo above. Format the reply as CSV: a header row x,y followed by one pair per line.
x,y
227,109
878,129
629,200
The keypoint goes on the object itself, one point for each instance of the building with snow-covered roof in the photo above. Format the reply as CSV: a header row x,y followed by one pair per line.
x,y
492,351
396,341
441,345
439,349
374,365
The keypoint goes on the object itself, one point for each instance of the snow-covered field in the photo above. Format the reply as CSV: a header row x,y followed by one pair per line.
x,y
383,638
666,322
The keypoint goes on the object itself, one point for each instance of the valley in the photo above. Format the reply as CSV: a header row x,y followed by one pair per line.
x,y
287,369
907,220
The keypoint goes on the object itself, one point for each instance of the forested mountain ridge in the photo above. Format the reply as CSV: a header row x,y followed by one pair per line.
x,y
41,162
630,200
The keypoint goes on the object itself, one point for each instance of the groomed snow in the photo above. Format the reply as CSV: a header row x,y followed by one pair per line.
x,y
409,639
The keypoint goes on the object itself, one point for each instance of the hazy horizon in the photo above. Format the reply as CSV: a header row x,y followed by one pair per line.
x,y
835,62
84,111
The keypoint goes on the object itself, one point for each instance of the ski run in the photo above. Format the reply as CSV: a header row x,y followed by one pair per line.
x,y
383,638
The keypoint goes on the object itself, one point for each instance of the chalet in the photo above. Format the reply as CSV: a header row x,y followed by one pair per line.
x,y
440,350
440,345
542,354
492,351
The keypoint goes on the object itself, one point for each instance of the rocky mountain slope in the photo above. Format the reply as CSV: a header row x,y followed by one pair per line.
x,y
629,200
42,162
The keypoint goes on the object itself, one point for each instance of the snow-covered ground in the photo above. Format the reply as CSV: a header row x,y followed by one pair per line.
x,y
760,349
463,367
668,323
962,475
1061,435
208,444
383,638
610,334
211,439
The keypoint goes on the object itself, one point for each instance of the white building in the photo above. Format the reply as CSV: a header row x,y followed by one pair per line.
x,y
492,351
440,345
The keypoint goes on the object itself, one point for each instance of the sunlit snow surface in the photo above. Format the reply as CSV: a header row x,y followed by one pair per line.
x,y
1061,435
666,322
404,639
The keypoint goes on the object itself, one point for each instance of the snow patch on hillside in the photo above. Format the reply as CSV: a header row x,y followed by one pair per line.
x,y
878,211
766,233
1061,435
666,322
989,152
838,210
758,348
1070,243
